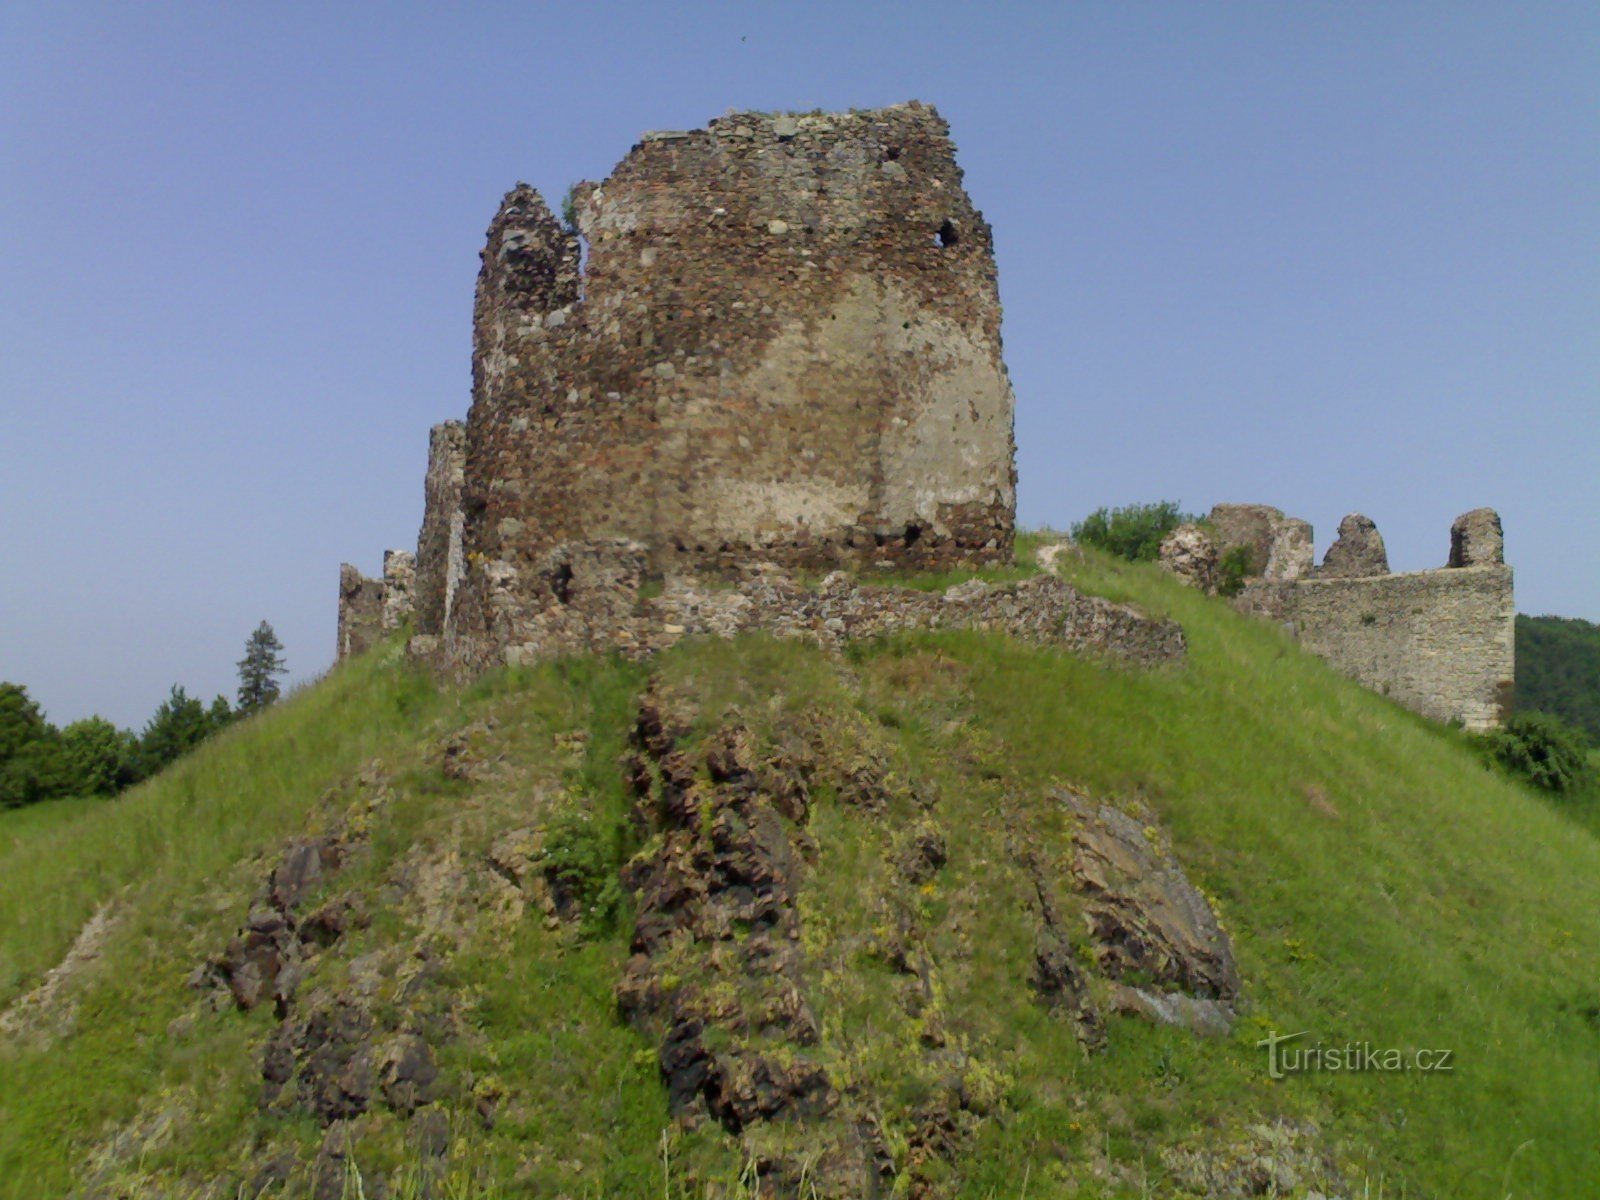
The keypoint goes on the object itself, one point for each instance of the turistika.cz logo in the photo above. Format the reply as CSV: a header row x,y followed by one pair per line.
x,y
1284,1059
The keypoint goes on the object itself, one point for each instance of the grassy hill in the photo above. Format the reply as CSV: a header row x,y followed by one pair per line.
x,y
467,946
1558,670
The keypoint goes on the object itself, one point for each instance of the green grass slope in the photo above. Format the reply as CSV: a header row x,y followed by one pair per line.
x,y
1379,883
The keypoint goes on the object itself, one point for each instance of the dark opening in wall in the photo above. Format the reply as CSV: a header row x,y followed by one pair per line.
x,y
913,532
947,235
561,583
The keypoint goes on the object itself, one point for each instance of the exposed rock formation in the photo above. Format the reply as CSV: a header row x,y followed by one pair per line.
x,y
1357,553
1154,933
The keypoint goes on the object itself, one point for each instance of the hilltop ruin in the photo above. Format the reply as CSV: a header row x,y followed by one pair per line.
x,y
779,357
761,363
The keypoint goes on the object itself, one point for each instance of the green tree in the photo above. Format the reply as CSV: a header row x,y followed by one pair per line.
x,y
101,758
1558,670
259,670
1134,532
32,766
220,715
180,724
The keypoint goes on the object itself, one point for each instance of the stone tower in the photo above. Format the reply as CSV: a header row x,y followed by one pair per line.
x,y
783,347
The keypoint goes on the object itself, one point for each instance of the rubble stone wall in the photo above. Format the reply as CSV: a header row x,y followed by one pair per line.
x,y
605,607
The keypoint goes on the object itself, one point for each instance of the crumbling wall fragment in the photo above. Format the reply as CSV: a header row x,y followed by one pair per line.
x,y
1254,526
441,560
1293,553
1476,539
399,581
1357,553
360,612
1190,553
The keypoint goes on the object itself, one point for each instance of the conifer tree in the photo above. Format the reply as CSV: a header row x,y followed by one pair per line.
x,y
259,670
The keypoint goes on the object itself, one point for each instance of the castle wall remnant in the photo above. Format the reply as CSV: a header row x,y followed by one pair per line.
x,y
371,609
399,586
441,555
1440,642
360,612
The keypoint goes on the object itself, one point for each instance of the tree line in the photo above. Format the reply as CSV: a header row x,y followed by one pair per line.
x,y
92,757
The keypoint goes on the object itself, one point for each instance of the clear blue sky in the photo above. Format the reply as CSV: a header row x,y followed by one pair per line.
x,y
1329,256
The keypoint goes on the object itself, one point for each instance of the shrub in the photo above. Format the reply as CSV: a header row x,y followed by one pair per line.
x,y
582,865
1541,749
1134,532
1233,570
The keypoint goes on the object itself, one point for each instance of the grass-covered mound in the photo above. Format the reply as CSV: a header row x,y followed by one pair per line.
x,y
1380,885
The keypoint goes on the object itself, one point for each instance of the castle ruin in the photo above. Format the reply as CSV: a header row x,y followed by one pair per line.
x,y
1441,642
780,355
761,363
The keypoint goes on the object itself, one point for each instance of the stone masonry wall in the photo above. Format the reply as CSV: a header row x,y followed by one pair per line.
x,y
1440,642
604,607
784,346
360,612
441,557
399,589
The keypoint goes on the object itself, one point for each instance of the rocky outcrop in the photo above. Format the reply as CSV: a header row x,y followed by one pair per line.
x,y
1152,931
1357,553
716,973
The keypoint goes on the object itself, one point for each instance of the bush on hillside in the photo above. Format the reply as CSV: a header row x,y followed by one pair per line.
x,y
582,867
1233,570
1541,749
1134,533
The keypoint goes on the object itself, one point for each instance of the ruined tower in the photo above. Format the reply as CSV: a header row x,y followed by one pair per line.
x,y
783,347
